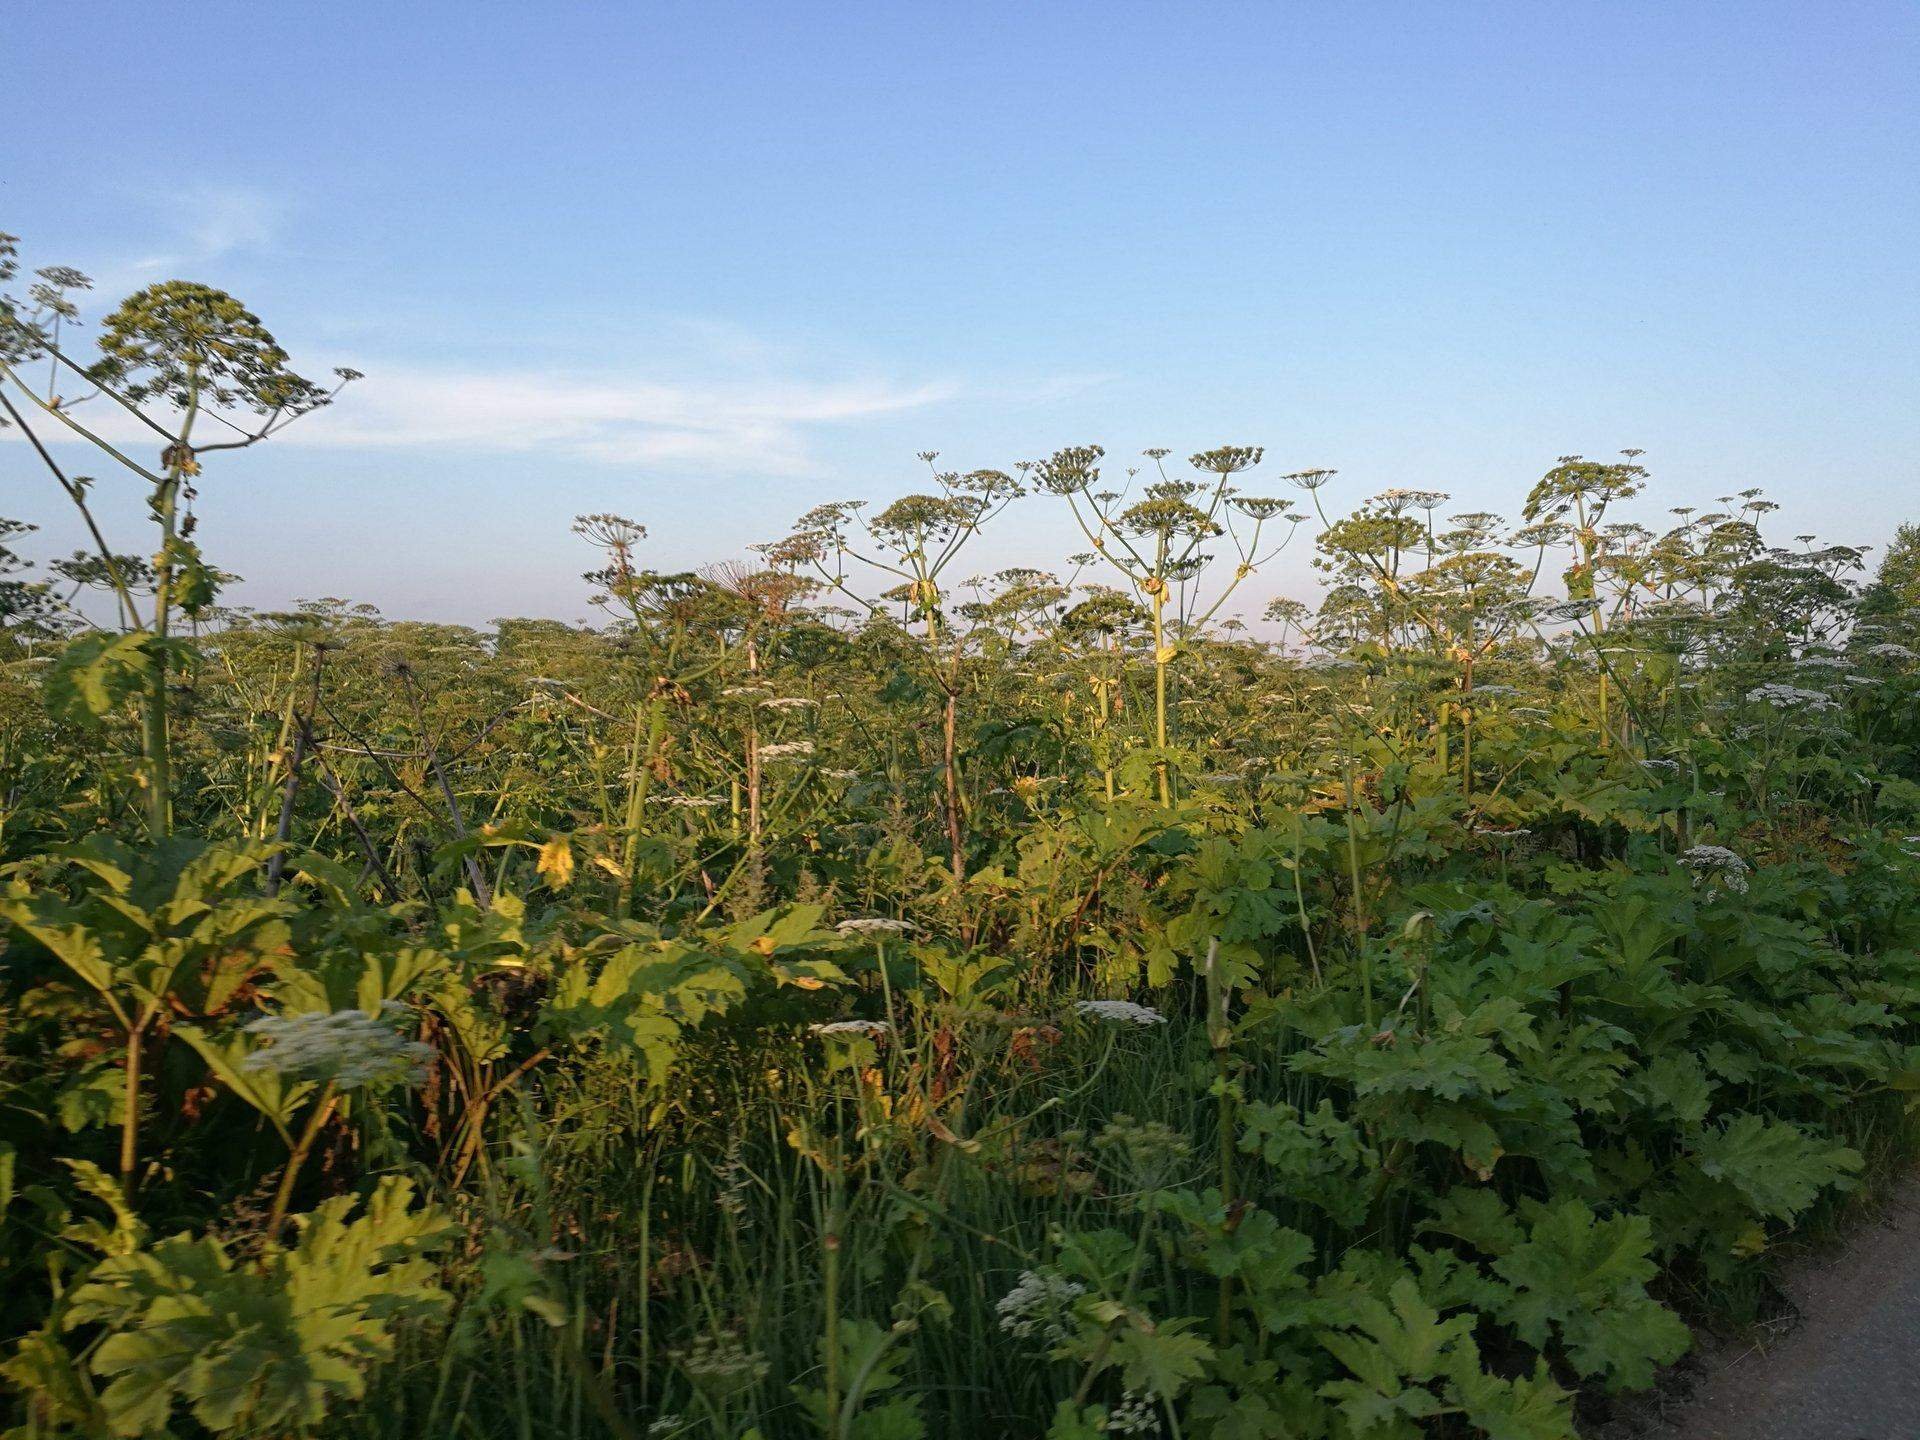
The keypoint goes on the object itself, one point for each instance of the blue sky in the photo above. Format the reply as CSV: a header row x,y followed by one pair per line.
x,y
710,264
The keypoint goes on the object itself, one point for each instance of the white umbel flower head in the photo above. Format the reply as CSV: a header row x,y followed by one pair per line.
x,y
1569,610
1135,1414
873,925
1037,1306
352,1048
790,750
849,1029
1710,862
1120,1012
1790,697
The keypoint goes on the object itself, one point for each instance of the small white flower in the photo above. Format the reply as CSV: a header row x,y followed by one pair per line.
x,y
1887,650
841,774
790,750
735,692
788,702
1120,1010
686,802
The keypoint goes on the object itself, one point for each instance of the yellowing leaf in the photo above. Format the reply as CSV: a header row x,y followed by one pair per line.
x,y
556,862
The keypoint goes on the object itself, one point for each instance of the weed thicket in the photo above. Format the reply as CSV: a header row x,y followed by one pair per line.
x,y
835,998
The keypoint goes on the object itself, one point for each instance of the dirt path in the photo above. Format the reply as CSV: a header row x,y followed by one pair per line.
x,y
1848,1370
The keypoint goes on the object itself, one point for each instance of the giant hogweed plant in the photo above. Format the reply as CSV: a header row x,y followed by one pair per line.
x,y
1160,544
913,542
179,361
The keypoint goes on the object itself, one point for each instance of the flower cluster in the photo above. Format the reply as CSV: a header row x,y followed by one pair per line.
x,y
874,925
1569,610
1148,1150
352,1048
790,750
788,702
1717,862
721,1362
1120,1010
1135,1415
1790,697
1037,1305
846,1029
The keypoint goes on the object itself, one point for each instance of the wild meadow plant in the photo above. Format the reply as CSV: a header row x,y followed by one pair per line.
x,y
835,998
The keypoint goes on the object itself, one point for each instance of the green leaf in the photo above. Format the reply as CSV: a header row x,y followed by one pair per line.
x,y
266,1346
1394,1351
97,674
1521,1409
1776,1167
1676,1083
1161,1361
267,1091
1582,1280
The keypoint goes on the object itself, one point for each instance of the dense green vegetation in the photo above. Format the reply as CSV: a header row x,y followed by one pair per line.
x,y
835,998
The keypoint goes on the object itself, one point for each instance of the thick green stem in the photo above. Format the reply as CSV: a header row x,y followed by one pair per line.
x,y
830,1245
640,782
1359,900
156,741
154,735
1220,1039
130,1121
283,1193
1160,660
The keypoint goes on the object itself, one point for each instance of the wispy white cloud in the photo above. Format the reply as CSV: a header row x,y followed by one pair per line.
x,y
192,227
749,426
